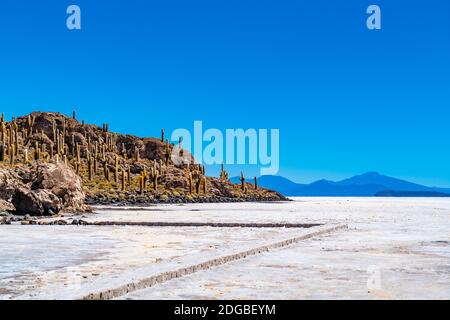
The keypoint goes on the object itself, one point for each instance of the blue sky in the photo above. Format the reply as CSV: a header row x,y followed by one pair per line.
x,y
346,100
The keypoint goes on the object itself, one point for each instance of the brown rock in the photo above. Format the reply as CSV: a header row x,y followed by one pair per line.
x,y
36,202
43,189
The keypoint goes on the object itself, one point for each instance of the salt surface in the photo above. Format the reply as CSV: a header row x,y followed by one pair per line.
x,y
403,240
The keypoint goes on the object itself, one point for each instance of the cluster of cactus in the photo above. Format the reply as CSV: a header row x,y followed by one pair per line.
x,y
197,179
223,173
10,146
101,155
151,176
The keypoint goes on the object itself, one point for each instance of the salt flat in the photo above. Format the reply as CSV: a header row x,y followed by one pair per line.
x,y
395,249
402,242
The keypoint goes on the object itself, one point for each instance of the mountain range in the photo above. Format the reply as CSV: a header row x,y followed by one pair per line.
x,y
367,184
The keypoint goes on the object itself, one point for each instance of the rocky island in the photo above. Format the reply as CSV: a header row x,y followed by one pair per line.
x,y
51,163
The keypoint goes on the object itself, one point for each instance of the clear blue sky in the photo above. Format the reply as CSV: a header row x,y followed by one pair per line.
x,y
346,100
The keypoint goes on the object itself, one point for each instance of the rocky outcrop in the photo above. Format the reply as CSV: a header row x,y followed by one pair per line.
x,y
42,188
78,163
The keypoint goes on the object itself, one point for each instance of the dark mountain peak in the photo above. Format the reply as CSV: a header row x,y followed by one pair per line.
x,y
371,174
321,182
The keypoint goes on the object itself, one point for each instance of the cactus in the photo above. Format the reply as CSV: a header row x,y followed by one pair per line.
x,y
78,153
12,154
167,153
3,133
197,185
95,165
57,159
116,169
242,179
129,175
204,185
90,171
16,134
123,179
136,154
2,152
155,181
141,183
106,170
256,184
145,176
223,173
64,130
25,155
58,142
37,153
190,183
72,146
65,159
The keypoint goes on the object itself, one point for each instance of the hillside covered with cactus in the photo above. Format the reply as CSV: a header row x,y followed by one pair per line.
x,y
42,152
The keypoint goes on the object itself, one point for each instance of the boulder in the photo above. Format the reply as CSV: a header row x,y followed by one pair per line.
x,y
41,189
8,182
36,202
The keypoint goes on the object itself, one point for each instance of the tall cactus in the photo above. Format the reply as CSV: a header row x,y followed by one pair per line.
x,y
205,188
78,153
141,183
37,151
116,169
155,181
190,183
106,170
136,154
12,154
166,153
223,173
90,170
242,179
123,179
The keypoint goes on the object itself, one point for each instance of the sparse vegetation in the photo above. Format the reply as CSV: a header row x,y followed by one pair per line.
x,y
142,170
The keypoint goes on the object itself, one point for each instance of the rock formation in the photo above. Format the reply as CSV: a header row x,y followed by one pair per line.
x,y
41,189
51,163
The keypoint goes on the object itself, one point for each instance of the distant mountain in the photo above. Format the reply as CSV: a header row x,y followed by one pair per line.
x,y
367,184
411,194
280,184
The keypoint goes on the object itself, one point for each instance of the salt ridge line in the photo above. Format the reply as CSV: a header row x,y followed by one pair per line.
x,y
203,224
179,273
